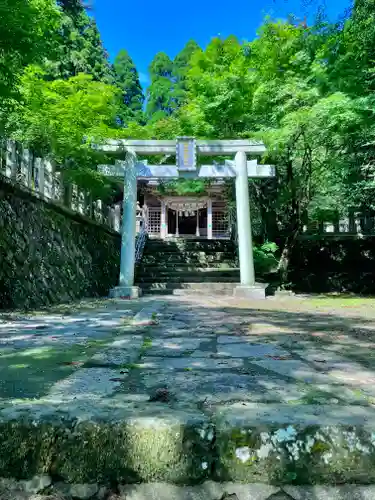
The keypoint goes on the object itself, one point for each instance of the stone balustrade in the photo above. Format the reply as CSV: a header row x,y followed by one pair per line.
x,y
39,175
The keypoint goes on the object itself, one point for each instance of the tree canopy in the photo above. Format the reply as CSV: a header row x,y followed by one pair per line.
x,y
126,78
26,34
306,90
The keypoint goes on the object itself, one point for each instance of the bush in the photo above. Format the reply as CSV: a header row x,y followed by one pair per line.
x,y
265,260
333,264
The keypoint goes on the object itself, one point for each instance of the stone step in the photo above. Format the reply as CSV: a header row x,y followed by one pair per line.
x,y
190,243
187,251
178,288
208,490
186,247
187,279
179,267
106,439
186,257
203,274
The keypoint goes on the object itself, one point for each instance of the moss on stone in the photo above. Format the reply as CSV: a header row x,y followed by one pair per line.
x,y
149,449
128,453
293,454
26,449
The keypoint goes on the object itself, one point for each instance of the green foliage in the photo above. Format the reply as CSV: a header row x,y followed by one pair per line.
x,y
181,65
265,260
218,97
160,103
307,91
78,47
65,119
184,187
127,79
26,32
169,82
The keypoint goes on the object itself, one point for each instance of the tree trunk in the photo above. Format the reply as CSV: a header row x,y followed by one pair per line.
x,y
283,266
292,229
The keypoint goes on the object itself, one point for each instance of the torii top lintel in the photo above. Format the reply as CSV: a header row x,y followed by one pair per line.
x,y
202,147
186,150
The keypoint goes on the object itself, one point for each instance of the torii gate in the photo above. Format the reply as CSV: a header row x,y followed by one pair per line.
x,y
186,150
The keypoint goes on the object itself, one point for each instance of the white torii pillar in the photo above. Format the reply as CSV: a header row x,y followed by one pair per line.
x,y
126,288
248,288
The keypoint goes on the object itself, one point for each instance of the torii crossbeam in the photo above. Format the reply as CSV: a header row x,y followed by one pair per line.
x,y
186,150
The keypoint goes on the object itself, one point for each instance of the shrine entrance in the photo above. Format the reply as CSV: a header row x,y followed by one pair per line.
x,y
187,224
186,217
186,150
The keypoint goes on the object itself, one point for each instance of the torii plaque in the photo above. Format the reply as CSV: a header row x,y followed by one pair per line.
x,y
186,150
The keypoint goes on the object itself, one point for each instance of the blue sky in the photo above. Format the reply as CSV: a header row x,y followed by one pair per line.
x,y
147,27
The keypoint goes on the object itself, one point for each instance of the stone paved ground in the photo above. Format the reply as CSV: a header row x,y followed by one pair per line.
x,y
279,391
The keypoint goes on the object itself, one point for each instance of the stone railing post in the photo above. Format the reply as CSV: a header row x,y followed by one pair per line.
x,y
98,210
47,168
88,204
26,168
74,195
81,202
68,195
11,160
39,175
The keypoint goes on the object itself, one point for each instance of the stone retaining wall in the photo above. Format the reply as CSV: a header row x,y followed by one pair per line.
x,y
49,254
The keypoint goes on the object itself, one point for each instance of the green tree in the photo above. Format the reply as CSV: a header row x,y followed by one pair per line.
x,y
127,79
78,47
219,83
27,28
270,89
160,101
181,66
64,119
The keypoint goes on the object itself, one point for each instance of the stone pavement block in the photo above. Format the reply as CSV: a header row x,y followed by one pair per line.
x,y
238,339
148,314
174,346
206,491
217,388
345,492
190,363
295,369
244,350
86,383
305,443
119,352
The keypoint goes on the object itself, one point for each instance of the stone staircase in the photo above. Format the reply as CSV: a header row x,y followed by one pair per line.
x,y
188,266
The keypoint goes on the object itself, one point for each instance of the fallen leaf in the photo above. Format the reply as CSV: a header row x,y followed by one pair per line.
x,y
162,395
